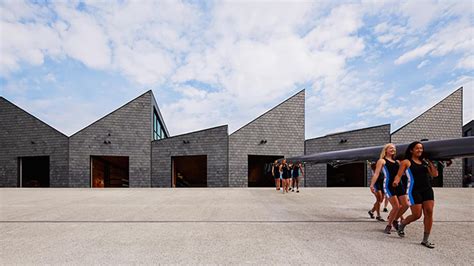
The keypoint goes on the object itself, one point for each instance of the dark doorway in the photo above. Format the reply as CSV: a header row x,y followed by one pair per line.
x,y
260,170
34,171
189,171
109,171
347,175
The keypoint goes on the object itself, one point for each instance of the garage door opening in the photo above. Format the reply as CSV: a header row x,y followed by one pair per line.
x,y
260,170
189,171
109,171
348,175
34,171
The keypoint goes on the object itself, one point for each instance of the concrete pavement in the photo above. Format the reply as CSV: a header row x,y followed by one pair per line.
x,y
222,226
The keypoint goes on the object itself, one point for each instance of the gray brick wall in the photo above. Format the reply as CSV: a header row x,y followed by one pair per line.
x,y
18,129
442,121
129,129
283,127
316,174
212,142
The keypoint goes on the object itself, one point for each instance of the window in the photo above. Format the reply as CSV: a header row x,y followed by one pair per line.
x,y
158,131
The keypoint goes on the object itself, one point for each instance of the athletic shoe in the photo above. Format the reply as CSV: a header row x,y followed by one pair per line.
x,y
385,210
371,214
297,191
395,225
401,233
380,219
387,230
428,244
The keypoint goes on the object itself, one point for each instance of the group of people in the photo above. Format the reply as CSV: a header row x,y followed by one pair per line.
x,y
406,184
287,175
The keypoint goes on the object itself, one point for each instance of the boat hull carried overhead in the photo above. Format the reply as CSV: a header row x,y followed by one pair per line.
x,y
440,150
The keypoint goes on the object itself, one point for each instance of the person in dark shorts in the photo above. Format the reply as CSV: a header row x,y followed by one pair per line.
x,y
418,171
286,175
388,165
297,170
290,183
276,174
376,187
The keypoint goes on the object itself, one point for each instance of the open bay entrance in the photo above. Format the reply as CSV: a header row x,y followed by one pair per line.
x,y
347,175
109,171
33,171
260,170
189,171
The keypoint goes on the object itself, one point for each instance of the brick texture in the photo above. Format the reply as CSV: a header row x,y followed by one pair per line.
x,y
21,135
211,142
129,129
316,174
442,121
283,127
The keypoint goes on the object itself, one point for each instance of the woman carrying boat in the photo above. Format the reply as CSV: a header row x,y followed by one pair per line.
x,y
418,170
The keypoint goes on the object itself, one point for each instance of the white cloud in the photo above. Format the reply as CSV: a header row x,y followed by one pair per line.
x,y
264,58
389,34
351,126
83,38
248,55
453,38
427,89
51,111
422,13
28,43
428,95
423,63
467,62
50,77
467,82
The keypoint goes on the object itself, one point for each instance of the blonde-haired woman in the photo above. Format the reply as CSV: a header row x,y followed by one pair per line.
x,y
396,195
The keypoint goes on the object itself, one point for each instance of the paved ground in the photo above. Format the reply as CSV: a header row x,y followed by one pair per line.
x,y
222,226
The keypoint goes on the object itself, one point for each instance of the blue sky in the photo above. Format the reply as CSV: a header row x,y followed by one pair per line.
x,y
362,63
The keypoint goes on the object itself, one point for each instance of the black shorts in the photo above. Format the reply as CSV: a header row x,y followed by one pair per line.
x,y
379,186
390,191
419,196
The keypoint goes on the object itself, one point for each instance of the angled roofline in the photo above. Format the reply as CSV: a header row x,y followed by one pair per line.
x,y
26,112
468,123
110,113
349,131
189,133
159,113
460,88
274,107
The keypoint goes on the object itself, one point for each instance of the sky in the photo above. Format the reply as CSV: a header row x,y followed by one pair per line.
x,y
211,63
